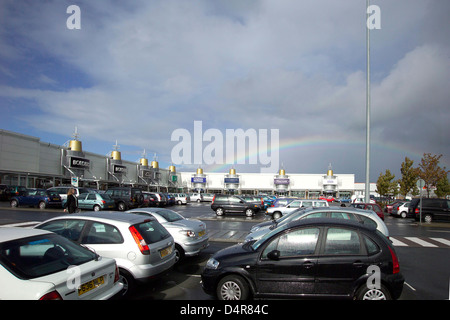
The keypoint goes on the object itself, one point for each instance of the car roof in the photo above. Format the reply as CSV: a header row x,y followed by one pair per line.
x,y
107,216
12,233
330,221
341,209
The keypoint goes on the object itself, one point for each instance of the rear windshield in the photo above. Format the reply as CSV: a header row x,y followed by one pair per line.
x,y
42,255
152,231
170,215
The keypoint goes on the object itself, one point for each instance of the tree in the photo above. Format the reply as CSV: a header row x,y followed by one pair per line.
x,y
443,187
430,171
386,185
409,178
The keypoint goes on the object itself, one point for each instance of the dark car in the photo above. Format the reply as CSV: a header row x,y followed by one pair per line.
x,y
3,189
308,258
223,203
37,198
369,206
259,201
432,209
14,191
126,197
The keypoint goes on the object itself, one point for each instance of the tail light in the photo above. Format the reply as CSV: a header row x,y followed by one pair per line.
x,y
139,241
417,210
53,295
395,264
214,198
103,201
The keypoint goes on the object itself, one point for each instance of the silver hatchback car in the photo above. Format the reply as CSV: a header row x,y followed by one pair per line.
x,y
190,235
141,246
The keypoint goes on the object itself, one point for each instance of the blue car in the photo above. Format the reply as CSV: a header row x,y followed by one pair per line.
x,y
94,201
40,198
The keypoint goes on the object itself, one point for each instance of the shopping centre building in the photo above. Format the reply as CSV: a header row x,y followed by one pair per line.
x,y
30,162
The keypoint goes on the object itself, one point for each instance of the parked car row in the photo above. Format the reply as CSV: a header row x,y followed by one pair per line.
x,y
135,246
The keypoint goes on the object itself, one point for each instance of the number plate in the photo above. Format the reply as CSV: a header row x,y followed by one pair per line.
x,y
88,286
201,233
166,251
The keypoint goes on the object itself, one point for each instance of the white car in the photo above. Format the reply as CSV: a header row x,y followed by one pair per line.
x,y
198,197
41,265
367,217
190,235
181,198
278,212
402,210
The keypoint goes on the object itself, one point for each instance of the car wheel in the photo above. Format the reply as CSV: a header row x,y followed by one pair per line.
x,y
364,293
128,283
198,200
219,212
428,218
97,207
179,253
403,214
14,203
42,205
179,202
249,212
232,287
121,206
277,215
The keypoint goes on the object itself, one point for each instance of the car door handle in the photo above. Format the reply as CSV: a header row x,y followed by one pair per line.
x,y
308,264
358,264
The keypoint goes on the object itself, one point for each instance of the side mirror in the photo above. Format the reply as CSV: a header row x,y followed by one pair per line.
x,y
274,255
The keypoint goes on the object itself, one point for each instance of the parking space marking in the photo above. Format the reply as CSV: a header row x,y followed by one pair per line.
x,y
421,242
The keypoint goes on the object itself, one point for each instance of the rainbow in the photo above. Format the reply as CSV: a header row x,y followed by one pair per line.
x,y
320,141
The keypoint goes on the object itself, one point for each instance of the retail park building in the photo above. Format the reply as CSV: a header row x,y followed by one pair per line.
x,y
30,162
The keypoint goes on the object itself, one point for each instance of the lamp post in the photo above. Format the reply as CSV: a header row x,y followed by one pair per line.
x,y
367,186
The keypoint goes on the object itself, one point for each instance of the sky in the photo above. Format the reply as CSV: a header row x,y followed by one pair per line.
x,y
292,72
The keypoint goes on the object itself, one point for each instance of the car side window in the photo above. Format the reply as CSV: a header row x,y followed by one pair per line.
x,y
343,215
70,228
102,233
91,196
316,215
371,246
294,243
340,241
368,221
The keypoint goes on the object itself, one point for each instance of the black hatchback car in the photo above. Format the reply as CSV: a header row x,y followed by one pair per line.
x,y
223,203
308,258
432,209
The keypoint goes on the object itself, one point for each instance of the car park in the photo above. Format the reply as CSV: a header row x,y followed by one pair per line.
x,y
126,197
433,209
40,198
38,264
369,206
223,203
278,212
326,258
366,217
95,201
141,246
190,235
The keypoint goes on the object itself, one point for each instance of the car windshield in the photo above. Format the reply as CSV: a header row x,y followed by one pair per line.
x,y
170,215
42,255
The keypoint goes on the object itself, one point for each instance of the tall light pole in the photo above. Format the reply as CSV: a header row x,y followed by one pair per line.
x,y
367,186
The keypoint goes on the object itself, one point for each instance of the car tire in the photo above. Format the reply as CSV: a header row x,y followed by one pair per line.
x,y
179,253
232,287
97,208
121,206
403,215
179,202
365,293
277,215
14,203
428,218
129,284
220,212
198,200
249,213
42,205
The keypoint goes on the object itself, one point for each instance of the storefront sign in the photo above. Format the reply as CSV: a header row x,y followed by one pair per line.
x,y
79,163
281,181
231,180
119,169
198,180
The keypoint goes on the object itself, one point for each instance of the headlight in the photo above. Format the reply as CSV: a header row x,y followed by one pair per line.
x,y
188,233
212,263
